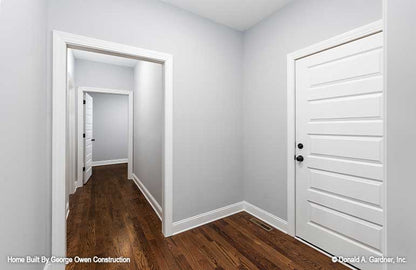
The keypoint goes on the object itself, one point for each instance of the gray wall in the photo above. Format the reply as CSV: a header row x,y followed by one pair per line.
x,y
148,126
24,178
299,24
207,89
401,131
110,126
94,74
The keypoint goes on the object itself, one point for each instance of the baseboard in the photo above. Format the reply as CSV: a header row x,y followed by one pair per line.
x,y
155,205
201,219
79,182
109,162
47,266
67,210
265,216
75,187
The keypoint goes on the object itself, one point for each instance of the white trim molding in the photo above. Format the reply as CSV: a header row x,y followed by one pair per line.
x,y
67,210
357,33
110,162
222,212
149,197
61,42
265,216
201,219
106,90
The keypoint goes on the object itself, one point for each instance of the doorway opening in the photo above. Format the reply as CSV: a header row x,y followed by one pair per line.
x,y
60,166
85,158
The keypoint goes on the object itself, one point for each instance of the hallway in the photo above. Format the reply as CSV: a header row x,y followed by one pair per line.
x,y
109,217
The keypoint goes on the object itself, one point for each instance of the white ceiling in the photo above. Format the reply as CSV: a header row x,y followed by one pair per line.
x,y
237,14
104,58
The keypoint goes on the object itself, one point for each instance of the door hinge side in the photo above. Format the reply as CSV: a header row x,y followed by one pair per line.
x,y
83,102
83,135
83,169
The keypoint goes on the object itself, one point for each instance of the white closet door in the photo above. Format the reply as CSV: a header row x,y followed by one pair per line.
x,y
88,124
339,121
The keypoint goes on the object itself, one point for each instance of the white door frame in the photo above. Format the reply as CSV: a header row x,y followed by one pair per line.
x,y
61,42
357,33
80,117
73,176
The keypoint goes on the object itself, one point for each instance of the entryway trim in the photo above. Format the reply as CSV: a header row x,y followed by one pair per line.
x,y
61,42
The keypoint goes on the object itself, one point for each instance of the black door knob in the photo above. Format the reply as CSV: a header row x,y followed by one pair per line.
x,y
300,145
299,158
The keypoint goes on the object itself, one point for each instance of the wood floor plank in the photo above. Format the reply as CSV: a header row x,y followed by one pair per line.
x,y
110,217
289,247
274,255
230,251
245,245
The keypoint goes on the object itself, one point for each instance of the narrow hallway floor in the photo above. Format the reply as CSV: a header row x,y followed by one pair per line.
x,y
110,217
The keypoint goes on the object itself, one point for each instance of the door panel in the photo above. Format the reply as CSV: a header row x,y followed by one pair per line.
x,y
356,147
355,87
346,68
352,167
88,123
354,228
363,106
358,128
339,120
353,187
348,205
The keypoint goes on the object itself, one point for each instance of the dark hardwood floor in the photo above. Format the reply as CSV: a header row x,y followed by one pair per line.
x,y
110,217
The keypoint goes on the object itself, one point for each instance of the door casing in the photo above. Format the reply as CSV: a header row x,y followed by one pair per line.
x,y
357,33
61,42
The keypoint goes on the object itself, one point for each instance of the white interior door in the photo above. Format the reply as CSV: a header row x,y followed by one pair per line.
x,y
339,121
88,139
